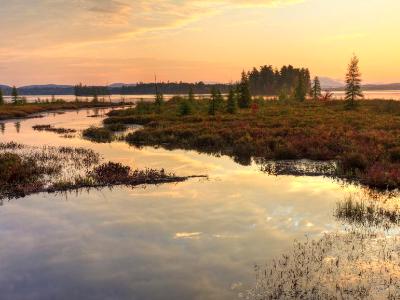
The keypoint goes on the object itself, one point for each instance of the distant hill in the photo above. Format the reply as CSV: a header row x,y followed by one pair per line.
x,y
327,83
47,89
120,84
5,89
373,87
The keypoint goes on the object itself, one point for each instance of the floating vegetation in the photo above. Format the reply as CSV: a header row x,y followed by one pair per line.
x,y
26,170
338,266
51,128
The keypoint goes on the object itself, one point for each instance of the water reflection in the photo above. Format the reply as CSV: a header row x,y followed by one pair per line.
x,y
193,240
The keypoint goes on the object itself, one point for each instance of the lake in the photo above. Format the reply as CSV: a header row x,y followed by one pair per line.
x,y
390,95
198,239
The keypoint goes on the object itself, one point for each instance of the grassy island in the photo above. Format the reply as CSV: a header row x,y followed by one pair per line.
x,y
363,142
11,111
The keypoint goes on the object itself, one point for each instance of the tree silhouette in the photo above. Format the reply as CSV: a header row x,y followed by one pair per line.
x,y
353,82
316,89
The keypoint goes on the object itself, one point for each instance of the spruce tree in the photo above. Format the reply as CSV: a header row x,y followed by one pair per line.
x,y
1,97
14,94
231,106
244,95
353,82
316,89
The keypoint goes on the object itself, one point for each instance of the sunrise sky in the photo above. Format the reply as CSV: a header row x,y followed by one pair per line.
x,y
106,41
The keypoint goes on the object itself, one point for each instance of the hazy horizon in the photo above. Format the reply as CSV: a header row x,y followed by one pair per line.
x,y
106,41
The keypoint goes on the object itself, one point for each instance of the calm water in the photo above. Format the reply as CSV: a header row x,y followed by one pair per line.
x,y
194,240
392,95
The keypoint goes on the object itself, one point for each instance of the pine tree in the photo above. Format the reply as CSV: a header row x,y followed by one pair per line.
x,y
14,94
231,106
301,90
316,89
353,82
244,95
1,97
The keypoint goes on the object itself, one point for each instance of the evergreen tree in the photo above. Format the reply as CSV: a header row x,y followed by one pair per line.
x,y
1,97
316,89
219,99
231,105
212,107
159,101
244,95
14,94
185,108
301,90
191,95
353,82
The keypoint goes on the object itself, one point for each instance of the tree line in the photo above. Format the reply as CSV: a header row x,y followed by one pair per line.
x,y
270,81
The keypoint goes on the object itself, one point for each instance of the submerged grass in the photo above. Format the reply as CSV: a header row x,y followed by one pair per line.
x,y
362,142
369,212
352,265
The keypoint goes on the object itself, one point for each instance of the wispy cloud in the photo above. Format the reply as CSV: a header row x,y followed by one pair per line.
x,y
41,23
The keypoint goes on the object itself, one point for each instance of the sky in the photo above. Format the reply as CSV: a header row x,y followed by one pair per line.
x,y
108,41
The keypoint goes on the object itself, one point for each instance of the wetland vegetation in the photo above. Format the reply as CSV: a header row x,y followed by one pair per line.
x,y
363,142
